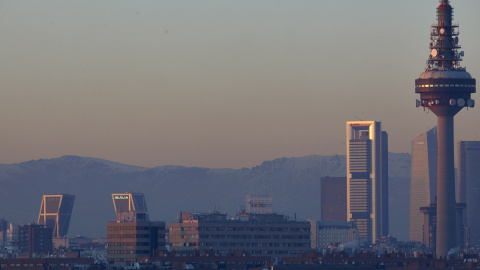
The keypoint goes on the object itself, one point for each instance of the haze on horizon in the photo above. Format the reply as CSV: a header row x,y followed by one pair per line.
x,y
216,83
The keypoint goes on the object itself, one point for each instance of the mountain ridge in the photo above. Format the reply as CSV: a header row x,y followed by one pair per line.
x,y
293,182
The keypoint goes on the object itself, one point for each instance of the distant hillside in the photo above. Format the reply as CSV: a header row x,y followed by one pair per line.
x,y
294,184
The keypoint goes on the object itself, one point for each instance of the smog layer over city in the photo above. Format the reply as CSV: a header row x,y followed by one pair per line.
x,y
296,130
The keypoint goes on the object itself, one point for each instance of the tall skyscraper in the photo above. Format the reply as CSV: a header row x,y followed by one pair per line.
x,y
367,178
333,192
423,181
468,161
130,206
445,88
55,213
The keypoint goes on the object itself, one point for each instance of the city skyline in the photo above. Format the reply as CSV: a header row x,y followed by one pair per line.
x,y
214,84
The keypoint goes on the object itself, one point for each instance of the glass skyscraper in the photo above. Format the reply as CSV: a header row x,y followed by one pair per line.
x,y
468,162
130,207
55,213
423,180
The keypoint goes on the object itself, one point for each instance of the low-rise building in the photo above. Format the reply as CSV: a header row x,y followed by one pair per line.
x,y
259,234
333,233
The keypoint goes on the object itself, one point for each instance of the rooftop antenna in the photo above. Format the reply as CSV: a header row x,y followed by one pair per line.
x,y
358,118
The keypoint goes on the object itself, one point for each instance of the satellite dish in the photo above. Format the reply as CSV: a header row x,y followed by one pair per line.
x,y
453,102
461,102
442,30
470,103
433,53
456,40
462,53
418,102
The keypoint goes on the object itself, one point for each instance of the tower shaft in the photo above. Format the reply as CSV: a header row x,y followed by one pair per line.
x,y
446,222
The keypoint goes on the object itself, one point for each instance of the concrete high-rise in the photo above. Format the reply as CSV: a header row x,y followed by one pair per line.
x,y
468,162
367,179
55,213
333,196
423,181
445,88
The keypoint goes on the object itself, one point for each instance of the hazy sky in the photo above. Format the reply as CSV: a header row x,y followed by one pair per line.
x,y
215,83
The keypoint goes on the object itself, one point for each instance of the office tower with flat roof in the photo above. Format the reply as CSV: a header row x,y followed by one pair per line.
x,y
468,162
423,180
55,213
367,179
445,88
130,206
35,238
134,241
260,234
333,197
133,237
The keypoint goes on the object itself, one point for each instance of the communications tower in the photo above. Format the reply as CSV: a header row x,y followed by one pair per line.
x,y
445,88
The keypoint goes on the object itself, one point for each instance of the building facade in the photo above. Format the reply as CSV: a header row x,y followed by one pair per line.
x,y
423,180
333,197
134,241
259,234
55,213
35,238
468,162
367,179
133,237
333,233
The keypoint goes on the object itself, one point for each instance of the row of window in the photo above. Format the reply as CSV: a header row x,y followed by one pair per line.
x,y
184,244
240,229
127,228
124,260
263,245
128,252
31,265
444,85
128,244
187,236
128,236
223,236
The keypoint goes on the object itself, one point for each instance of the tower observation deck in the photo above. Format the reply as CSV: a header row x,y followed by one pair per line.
x,y
445,88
